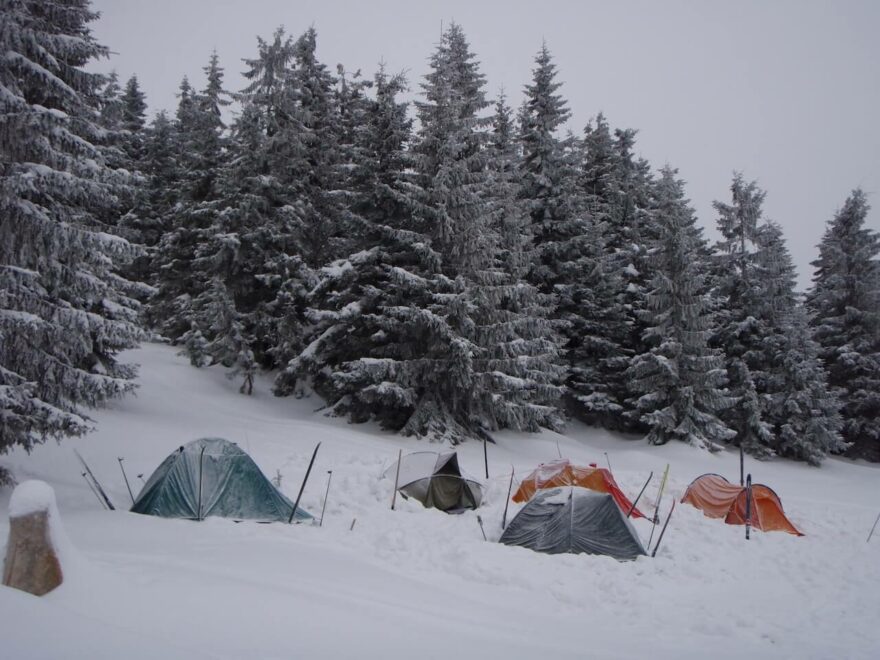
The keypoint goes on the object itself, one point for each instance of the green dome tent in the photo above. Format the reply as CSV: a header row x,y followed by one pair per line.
x,y
576,520
213,477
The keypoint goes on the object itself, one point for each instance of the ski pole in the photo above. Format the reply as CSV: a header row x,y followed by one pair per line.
x,y
608,460
663,531
748,505
120,459
303,486
873,528
480,521
353,521
633,507
486,453
507,502
655,520
741,465
326,493
396,478
92,488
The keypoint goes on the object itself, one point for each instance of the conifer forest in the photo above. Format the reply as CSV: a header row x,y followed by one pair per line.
x,y
415,252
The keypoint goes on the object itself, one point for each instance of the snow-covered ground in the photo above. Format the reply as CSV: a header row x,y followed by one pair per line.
x,y
416,583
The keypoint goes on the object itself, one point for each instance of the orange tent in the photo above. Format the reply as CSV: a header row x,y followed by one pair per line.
x,y
716,497
563,473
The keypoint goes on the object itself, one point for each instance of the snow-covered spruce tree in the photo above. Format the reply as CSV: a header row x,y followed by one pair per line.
x,y
598,352
180,219
740,331
565,262
845,306
519,367
679,380
803,413
134,106
358,322
63,311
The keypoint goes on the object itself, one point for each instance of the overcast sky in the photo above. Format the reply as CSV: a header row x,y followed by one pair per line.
x,y
788,92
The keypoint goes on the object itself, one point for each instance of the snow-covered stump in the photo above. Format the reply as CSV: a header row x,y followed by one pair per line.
x,y
32,560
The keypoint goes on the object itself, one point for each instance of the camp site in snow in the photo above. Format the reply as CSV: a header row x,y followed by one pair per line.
x,y
395,330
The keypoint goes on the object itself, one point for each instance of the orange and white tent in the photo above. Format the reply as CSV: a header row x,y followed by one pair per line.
x,y
563,473
716,497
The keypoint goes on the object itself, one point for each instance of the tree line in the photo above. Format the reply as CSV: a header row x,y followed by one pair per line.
x,y
446,267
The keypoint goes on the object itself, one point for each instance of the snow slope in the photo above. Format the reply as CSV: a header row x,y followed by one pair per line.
x,y
416,582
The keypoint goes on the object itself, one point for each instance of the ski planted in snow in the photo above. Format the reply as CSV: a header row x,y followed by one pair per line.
x,y
655,520
95,482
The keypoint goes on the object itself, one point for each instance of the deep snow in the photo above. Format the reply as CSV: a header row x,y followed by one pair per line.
x,y
416,582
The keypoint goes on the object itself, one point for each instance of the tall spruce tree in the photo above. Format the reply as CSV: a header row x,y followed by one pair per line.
x,y
64,312
566,263
741,331
679,380
845,306
803,413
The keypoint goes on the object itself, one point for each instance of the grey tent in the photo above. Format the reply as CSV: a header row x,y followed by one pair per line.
x,y
575,520
213,477
436,481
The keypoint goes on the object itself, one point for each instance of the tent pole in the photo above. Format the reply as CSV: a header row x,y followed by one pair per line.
x,y
396,479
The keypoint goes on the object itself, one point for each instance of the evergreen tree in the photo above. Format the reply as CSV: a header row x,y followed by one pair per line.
x,y
803,414
680,379
741,331
64,312
134,106
845,306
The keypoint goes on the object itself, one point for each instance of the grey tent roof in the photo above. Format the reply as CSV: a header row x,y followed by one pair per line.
x,y
575,520
436,480
213,477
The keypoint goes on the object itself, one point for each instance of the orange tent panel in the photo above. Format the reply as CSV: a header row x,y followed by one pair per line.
x,y
716,497
562,473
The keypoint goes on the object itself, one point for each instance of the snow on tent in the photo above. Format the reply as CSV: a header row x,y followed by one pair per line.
x,y
213,477
436,481
716,497
575,520
563,473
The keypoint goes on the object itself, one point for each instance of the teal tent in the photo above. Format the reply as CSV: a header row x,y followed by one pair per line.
x,y
213,477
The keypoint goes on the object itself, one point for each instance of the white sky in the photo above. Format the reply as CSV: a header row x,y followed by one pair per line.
x,y
786,91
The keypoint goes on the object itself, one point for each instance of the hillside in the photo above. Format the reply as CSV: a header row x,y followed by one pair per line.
x,y
416,582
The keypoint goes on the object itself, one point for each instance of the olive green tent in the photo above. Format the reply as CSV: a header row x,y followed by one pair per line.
x,y
436,481
213,477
